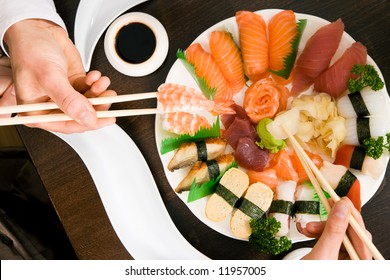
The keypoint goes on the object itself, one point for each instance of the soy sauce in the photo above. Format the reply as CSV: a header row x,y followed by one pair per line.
x,y
135,43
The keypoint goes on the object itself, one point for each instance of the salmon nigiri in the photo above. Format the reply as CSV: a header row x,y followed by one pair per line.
x,y
335,79
207,68
284,166
253,43
316,56
282,30
228,58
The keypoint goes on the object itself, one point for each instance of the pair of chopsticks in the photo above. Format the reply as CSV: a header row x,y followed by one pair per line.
x,y
318,180
24,108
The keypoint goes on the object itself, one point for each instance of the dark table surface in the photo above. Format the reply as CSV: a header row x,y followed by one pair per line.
x,y
70,186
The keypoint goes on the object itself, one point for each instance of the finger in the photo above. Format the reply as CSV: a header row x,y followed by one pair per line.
x,y
105,107
328,246
68,127
358,244
8,99
72,102
313,229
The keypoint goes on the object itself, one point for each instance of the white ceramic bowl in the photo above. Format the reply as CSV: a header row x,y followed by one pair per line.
x,y
148,66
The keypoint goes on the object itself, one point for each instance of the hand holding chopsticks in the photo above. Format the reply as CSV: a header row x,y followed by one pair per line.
x,y
318,180
62,117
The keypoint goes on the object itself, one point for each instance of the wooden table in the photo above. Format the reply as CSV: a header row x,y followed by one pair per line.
x,y
70,186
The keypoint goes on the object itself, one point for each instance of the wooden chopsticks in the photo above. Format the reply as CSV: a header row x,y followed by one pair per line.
x,y
318,180
62,117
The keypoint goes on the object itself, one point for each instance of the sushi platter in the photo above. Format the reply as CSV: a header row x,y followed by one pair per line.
x,y
178,74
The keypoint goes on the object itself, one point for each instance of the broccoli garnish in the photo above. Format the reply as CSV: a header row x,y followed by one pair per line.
x,y
366,76
374,147
263,236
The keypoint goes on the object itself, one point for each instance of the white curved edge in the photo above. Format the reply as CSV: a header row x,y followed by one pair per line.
x,y
130,195
92,18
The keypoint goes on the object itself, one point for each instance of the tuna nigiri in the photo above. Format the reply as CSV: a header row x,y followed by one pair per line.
x,y
228,58
253,44
316,56
334,80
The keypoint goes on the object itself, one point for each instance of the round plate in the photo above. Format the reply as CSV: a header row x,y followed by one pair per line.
x,y
178,74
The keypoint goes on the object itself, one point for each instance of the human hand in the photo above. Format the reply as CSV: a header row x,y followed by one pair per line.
x,y
47,66
331,234
7,93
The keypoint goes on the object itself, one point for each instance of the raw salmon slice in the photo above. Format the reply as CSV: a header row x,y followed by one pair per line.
x,y
228,58
282,30
284,166
267,177
264,99
253,44
207,68
334,80
302,175
316,56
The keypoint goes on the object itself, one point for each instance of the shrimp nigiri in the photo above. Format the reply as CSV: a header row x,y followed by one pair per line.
x,y
184,123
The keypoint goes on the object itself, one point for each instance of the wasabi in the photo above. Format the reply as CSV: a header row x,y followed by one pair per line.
x,y
267,141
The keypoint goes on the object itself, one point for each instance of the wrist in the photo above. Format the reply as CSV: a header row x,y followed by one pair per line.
x,y
17,30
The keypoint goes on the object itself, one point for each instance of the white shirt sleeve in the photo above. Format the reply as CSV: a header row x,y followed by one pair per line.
x,y
13,11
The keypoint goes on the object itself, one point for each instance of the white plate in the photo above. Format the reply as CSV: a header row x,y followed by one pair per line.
x,y
178,74
130,195
92,18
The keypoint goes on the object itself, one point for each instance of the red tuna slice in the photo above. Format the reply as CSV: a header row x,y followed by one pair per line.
x,y
250,156
316,56
227,119
240,128
334,80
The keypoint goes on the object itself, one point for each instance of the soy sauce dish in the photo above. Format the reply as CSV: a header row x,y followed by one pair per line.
x,y
136,44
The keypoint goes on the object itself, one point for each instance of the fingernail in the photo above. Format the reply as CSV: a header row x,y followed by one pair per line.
x,y
341,209
88,118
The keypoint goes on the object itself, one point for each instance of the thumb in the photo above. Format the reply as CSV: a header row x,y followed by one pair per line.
x,y
328,246
74,104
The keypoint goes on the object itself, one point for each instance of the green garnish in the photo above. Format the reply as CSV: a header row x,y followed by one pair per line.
x,y
289,60
267,141
323,212
172,143
367,76
374,147
263,236
207,91
198,191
